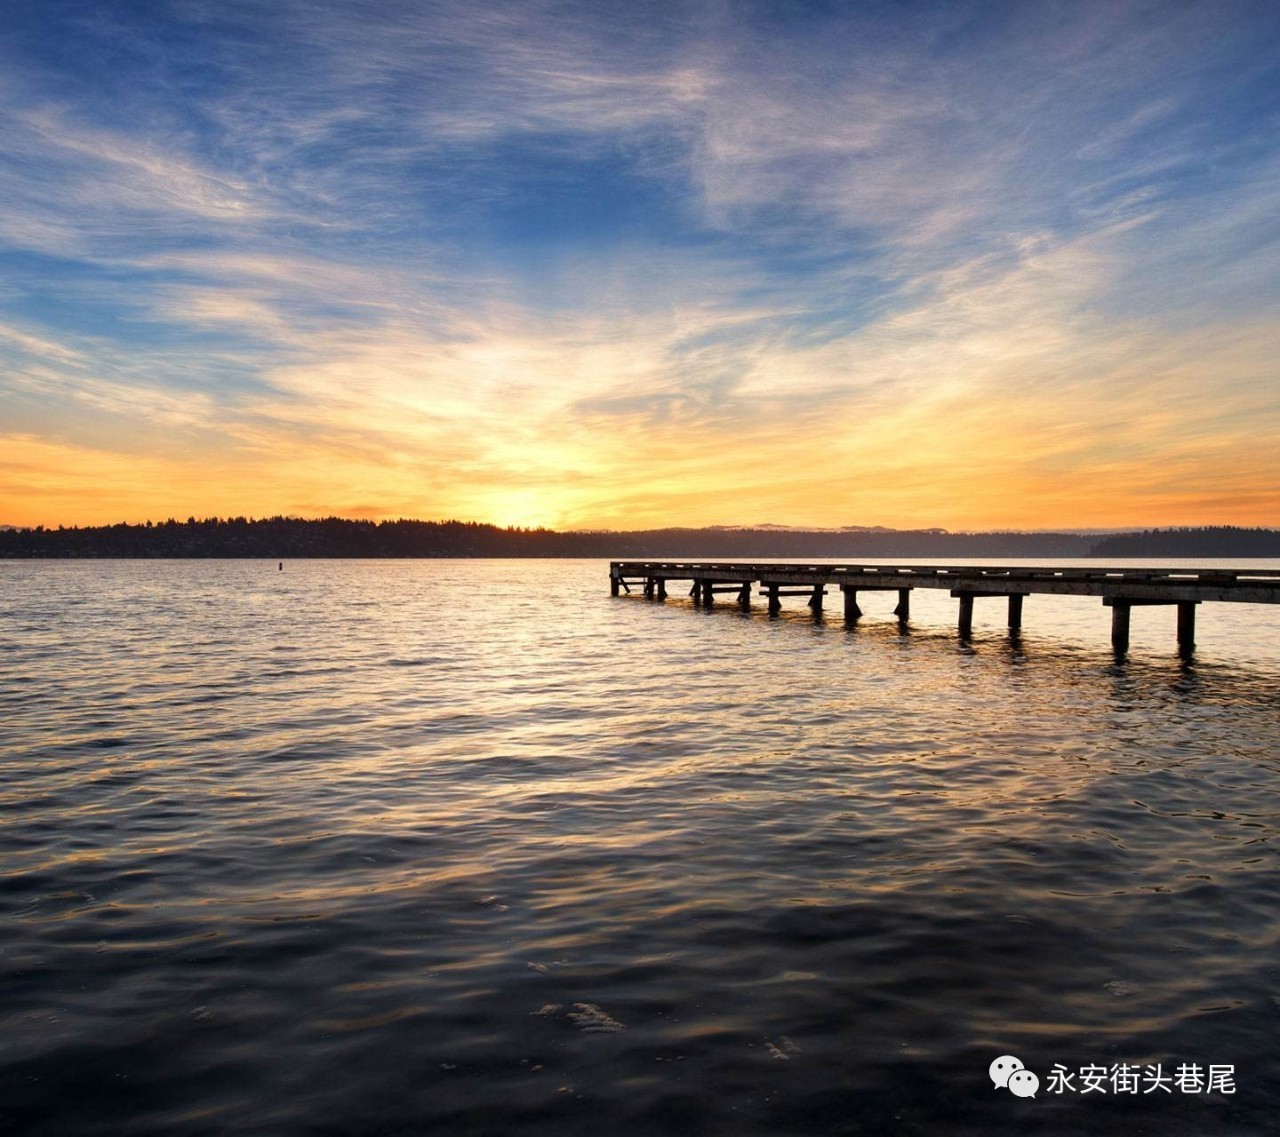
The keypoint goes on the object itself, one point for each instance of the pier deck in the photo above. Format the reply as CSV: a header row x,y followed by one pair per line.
x,y
1120,588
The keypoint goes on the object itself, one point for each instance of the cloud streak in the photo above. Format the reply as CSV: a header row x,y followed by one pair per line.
x,y
673,264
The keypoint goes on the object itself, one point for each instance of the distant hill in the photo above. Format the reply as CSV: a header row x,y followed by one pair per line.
x,y
292,538
1205,541
284,537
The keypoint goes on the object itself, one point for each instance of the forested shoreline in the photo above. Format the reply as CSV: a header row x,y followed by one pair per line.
x,y
332,537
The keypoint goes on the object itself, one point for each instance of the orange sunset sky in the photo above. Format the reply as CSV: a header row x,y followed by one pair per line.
x,y
585,266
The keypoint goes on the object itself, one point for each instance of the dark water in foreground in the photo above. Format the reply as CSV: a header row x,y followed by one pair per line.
x,y
472,848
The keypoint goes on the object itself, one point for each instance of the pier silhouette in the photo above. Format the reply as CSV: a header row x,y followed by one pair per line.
x,y
1121,589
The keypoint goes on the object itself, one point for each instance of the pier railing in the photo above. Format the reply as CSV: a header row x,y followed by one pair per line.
x,y
1120,588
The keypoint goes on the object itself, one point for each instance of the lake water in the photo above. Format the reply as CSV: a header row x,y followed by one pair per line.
x,y
470,847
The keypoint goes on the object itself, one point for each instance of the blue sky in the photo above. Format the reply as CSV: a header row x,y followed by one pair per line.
x,y
575,264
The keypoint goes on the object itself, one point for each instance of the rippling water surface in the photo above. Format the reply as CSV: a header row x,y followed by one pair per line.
x,y
470,847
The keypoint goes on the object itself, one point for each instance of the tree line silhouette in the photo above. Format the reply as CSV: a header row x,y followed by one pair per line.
x,y
291,538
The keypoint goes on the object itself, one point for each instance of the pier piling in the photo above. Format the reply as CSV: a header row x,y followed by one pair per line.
x,y
852,613
1119,624
903,610
1187,625
1015,611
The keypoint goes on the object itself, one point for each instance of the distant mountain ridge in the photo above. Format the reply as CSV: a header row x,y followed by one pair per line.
x,y
287,537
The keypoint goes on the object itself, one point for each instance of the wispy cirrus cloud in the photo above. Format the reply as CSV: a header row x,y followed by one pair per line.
x,y
448,256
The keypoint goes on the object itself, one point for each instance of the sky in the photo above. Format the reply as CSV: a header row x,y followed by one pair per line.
x,y
625,265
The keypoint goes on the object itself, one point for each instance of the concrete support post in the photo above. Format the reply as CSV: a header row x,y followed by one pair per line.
x,y
613,586
1120,610
852,613
966,615
744,596
903,610
1186,625
1015,613
775,605
815,601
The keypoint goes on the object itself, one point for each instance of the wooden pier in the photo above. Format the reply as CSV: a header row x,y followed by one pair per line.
x,y
1121,589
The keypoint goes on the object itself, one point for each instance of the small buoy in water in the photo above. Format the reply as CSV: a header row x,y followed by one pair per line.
x,y
282,566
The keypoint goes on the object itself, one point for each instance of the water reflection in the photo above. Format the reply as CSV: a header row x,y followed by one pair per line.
x,y
441,854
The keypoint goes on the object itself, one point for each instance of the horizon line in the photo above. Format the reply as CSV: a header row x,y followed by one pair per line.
x,y
766,527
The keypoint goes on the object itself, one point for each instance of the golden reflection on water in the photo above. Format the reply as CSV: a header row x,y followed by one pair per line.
x,y
410,807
